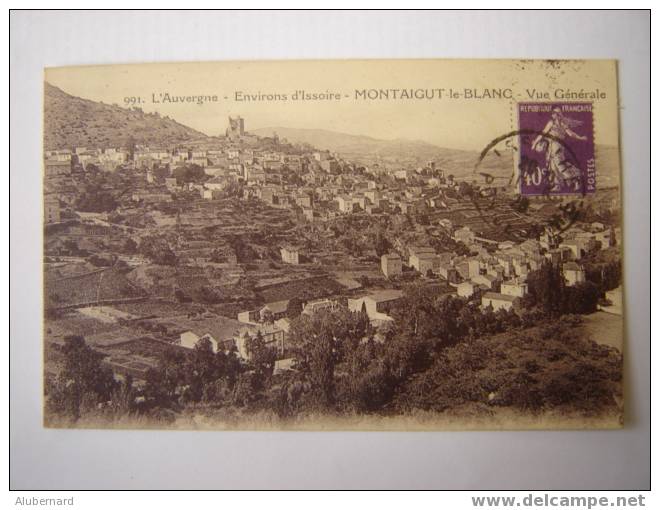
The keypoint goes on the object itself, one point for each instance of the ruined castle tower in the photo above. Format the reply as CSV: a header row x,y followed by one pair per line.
x,y
236,127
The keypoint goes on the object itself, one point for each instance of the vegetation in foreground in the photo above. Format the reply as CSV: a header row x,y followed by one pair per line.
x,y
442,355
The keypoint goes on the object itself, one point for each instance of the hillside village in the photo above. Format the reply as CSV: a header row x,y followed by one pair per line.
x,y
229,239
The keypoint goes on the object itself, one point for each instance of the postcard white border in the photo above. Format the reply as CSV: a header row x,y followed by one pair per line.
x,y
70,459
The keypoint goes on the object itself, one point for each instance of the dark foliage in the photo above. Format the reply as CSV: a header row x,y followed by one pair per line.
x,y
83,382
546,367
189,173
96,202
548,291
158,250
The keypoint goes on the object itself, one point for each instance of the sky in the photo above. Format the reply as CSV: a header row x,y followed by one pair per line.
x,y
460,123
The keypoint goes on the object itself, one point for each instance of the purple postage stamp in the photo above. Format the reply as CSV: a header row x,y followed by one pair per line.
x,y
556,149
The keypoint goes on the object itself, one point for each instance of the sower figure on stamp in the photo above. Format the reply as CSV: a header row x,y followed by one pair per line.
x,y
559,128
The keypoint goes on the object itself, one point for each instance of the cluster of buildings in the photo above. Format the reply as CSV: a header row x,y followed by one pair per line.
x,y
497,277
270,321
499,274
318,186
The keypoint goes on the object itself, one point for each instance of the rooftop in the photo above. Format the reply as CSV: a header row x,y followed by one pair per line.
x,y
220,328
265,329
217,180
419,250
498,297
381,296
277,306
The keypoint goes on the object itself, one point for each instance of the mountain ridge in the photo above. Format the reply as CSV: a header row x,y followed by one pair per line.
x,y
71,121
336,141
461,163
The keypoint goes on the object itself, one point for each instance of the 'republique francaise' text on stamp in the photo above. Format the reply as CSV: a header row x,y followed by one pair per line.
x,y
557,154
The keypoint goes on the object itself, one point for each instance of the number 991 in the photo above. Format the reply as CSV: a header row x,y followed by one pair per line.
x,y
132,100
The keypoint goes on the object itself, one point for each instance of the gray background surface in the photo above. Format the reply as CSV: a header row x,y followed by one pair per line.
x,y
79,459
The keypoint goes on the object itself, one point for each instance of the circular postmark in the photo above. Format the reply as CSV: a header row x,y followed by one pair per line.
x,y
528,169
523,169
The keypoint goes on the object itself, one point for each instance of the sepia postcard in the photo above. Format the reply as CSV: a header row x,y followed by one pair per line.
x,y
333,245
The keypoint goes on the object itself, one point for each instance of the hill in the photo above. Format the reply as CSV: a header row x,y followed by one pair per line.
x,y
608,172
398,153
71,121
351,145
460,163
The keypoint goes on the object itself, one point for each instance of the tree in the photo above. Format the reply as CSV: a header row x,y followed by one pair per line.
x,y
582,298
262,358
465,189
382,245
233,366
234,189
158,250
83,377
243,250
294,308
546,289
611,275
131,143
210,295
96,201
189,173
130,246
164,381
123,397
202,366
161,171
368,384
319,342
267,316
181,296
70,247
423,219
